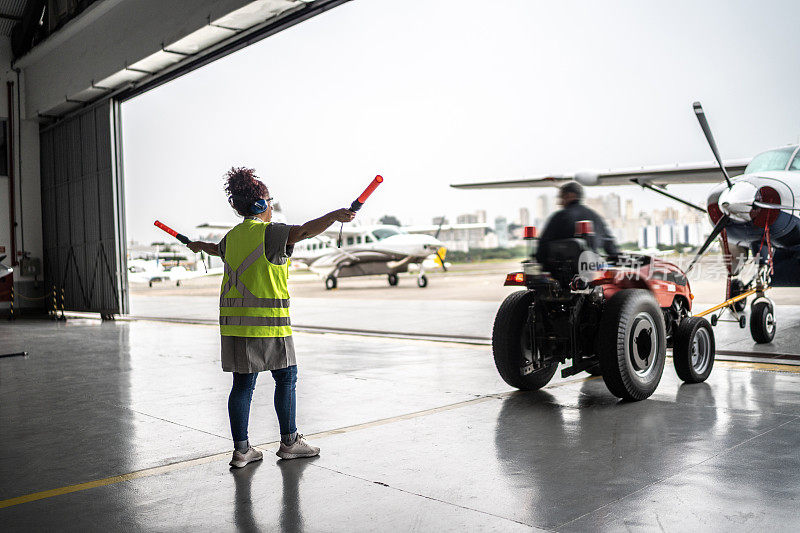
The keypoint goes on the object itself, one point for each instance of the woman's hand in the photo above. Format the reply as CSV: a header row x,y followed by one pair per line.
x,y
344,215
210,248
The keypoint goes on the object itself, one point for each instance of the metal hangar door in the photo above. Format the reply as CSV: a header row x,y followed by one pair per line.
x,y
82,210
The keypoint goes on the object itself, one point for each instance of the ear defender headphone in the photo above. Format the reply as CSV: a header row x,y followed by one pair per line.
x,y
253,207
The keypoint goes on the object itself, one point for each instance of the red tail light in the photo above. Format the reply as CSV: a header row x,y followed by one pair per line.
x,y
515,279
529,232
584,227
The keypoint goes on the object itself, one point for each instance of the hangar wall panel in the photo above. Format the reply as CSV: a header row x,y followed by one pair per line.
x,y
82,228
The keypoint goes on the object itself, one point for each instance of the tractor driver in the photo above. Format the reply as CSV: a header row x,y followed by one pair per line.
x,y
561,225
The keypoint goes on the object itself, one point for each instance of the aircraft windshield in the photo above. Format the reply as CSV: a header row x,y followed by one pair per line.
x,y
795,162
772,160
382,233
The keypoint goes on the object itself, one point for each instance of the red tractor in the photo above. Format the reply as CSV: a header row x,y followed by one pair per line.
x,y
614,319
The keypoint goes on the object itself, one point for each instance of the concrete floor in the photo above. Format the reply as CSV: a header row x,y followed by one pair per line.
x,y
415,435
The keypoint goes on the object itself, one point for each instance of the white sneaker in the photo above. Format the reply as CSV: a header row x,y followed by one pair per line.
x,y
241,459
300,448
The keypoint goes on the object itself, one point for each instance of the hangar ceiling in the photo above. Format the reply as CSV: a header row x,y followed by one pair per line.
x,y
10,15
123,47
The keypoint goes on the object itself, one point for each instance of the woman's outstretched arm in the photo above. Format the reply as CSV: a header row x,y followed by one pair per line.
x,y
312,228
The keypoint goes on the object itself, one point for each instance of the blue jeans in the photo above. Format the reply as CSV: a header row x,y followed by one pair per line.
x,y
242,395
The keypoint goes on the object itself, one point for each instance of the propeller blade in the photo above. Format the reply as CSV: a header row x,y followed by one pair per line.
x,y
776,206
441,260
701,118
714,233
439,229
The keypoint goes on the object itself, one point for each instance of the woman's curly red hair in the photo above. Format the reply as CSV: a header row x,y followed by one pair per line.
x,y
243,188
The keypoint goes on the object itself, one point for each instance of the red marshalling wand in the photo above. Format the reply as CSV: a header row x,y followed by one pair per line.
x,y
181,237
358,202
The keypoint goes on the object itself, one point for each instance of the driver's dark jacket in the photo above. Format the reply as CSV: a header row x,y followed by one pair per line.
x,y
561,225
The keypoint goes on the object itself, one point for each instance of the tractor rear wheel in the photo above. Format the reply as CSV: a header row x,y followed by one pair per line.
x,y
632,344
511,344
693,349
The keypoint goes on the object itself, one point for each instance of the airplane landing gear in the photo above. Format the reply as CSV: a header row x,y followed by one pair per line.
x,y
762,321
422,281
392,279
330,282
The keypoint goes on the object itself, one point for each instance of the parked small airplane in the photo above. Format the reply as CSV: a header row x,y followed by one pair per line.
x,y
751,213
369,250
152,270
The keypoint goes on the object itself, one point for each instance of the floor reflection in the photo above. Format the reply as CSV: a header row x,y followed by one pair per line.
x,y
243,516
590,447
291,518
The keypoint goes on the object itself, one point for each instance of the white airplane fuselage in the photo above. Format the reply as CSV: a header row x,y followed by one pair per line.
x,y
387,249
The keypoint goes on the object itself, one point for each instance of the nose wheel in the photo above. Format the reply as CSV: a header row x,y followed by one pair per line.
x,y
762,321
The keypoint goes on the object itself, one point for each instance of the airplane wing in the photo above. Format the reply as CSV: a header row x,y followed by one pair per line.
x,y
429,228
347,231
658,175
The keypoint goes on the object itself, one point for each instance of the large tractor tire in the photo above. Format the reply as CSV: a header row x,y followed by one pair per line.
x,y
762,322
632,344
511,344
693,349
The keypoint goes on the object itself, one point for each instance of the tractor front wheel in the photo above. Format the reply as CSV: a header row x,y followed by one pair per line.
x,y
693,349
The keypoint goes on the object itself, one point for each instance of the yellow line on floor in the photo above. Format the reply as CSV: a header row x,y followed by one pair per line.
x,y
148,472
770,367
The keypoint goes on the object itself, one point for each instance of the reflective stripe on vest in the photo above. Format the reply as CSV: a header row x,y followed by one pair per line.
x,y
254,297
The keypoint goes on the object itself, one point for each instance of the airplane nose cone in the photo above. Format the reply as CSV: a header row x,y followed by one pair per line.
x,y
433,243
737,202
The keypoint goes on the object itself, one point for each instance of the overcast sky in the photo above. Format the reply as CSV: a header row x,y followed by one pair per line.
x,y
433,92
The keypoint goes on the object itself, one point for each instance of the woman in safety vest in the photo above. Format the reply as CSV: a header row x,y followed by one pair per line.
x,y
254,309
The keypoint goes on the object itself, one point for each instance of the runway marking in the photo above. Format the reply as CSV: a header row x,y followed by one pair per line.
x,y
154,471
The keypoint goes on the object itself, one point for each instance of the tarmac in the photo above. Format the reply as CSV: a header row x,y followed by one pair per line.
x,y
458,305
123,426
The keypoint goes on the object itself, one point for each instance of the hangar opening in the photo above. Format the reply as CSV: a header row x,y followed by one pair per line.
x,y
73,64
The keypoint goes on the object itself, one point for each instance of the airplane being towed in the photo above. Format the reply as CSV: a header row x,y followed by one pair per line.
x,y
369,250
752,213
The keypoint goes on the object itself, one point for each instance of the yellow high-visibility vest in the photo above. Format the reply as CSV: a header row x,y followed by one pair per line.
x,y
254,297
